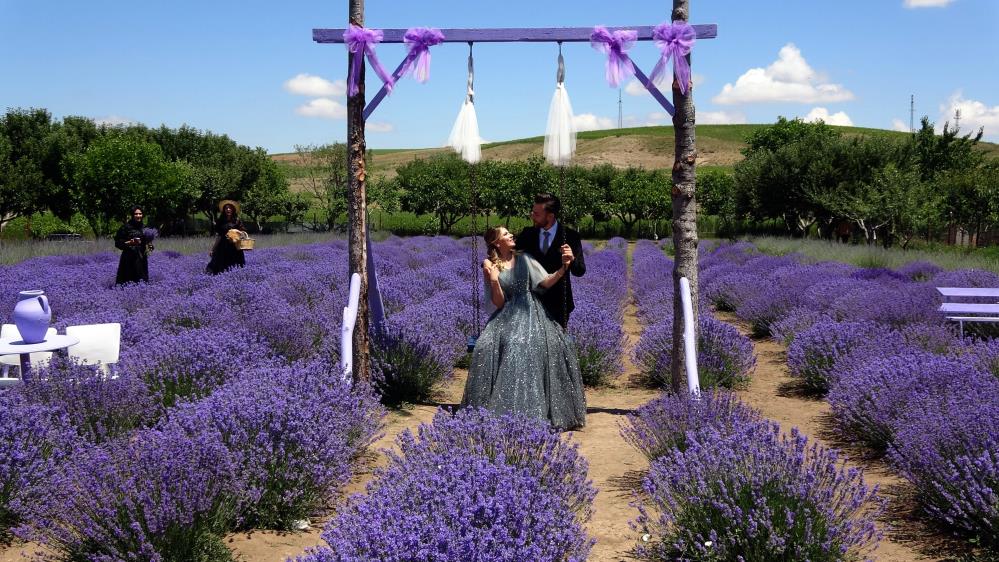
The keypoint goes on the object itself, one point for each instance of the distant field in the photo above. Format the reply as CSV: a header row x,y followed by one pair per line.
x,y
647,147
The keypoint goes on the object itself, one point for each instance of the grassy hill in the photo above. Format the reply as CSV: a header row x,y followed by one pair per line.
x,y
648,147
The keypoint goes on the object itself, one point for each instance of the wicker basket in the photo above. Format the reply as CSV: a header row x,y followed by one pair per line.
x,y
245,242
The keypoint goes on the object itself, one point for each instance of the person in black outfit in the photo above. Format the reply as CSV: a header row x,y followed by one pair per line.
x,y
226,253
547,241
133,266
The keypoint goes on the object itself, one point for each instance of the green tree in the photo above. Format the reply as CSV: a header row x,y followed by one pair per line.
x,y
29,162
785,163
937,154
116,172
438,186
325,169
636,194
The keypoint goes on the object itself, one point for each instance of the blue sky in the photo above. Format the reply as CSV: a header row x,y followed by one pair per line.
x,y
250,69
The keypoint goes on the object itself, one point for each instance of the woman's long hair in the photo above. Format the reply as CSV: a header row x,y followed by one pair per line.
x,y
493,235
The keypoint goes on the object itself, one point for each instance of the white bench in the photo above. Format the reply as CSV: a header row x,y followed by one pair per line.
x,y
962,312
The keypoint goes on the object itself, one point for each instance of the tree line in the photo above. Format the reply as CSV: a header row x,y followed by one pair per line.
x,y
78,166
887,188
807,177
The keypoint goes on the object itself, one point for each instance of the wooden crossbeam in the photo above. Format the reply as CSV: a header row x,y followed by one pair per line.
x,y
513,34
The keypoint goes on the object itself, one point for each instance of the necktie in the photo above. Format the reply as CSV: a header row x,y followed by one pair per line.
x,y
544,243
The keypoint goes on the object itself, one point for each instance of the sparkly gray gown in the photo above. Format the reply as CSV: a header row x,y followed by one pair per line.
x,y
523,361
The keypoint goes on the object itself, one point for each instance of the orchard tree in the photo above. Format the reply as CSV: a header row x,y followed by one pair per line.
x,y
636,194
438,186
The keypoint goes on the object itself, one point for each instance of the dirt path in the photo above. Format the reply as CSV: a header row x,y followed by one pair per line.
x,y
772,392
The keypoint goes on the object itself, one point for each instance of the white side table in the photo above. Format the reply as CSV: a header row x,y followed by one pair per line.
x,y
15,346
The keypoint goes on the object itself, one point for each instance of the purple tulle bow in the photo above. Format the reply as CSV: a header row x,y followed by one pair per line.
x,y
674,40
615,45
419,40
361,41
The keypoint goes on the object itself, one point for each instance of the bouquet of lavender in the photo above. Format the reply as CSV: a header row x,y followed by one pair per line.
x,y
148,235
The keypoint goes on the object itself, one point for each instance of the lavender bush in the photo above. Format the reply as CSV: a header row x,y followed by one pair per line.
x,y
754,495
724,356
160,495
36,441
872,398
814,354
293,435
951,454
100,408
663,424
596,323
472,487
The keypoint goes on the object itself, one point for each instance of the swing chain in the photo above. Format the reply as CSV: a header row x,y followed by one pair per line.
x,y
565,281
475,250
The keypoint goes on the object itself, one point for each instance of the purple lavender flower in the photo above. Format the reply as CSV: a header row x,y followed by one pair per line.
x,y
951,454
159,495
663,424
36,441
293,434
471,487
754,495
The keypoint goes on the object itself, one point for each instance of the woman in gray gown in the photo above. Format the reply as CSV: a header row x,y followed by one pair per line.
x,y
523,362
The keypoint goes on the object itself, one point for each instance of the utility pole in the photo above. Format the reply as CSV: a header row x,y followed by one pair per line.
x,y
957,119
912,113
620,110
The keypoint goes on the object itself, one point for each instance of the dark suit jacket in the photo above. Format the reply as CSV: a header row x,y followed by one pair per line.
x,y
529,241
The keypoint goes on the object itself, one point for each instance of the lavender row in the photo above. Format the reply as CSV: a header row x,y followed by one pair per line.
x,y
265,449
473,486
898,377
724,358
725,485
597,322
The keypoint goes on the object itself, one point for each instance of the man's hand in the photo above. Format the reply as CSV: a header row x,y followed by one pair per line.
x,y
567,257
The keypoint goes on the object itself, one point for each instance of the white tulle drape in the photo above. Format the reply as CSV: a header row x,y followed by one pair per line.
x,y
560,133
464,137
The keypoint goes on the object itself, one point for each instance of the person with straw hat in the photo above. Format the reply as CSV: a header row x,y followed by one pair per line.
x,y
226,253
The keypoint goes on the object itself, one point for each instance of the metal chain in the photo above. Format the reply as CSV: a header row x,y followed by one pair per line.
x,y
565,282
477,316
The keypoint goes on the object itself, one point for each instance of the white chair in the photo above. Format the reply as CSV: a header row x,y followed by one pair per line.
x,y
38,360
99,344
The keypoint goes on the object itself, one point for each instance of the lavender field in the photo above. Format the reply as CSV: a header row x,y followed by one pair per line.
x,y
227,412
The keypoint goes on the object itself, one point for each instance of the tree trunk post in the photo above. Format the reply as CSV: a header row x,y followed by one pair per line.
x,y
684,212
357,204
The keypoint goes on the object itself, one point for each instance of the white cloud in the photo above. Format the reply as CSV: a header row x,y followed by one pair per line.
x,y
927,3
590,122
720,118
899,125
974,114
323,107
115,121
788,79
822,114
315,86
378,127
635,88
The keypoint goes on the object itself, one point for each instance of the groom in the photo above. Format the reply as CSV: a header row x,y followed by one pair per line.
x,y
547,241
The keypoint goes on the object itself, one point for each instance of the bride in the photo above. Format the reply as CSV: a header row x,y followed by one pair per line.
x,y
524,362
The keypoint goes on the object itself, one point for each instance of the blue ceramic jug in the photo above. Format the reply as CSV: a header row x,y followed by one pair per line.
x,y
32,315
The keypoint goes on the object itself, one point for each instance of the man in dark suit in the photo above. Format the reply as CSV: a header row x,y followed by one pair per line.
x,y
547,241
